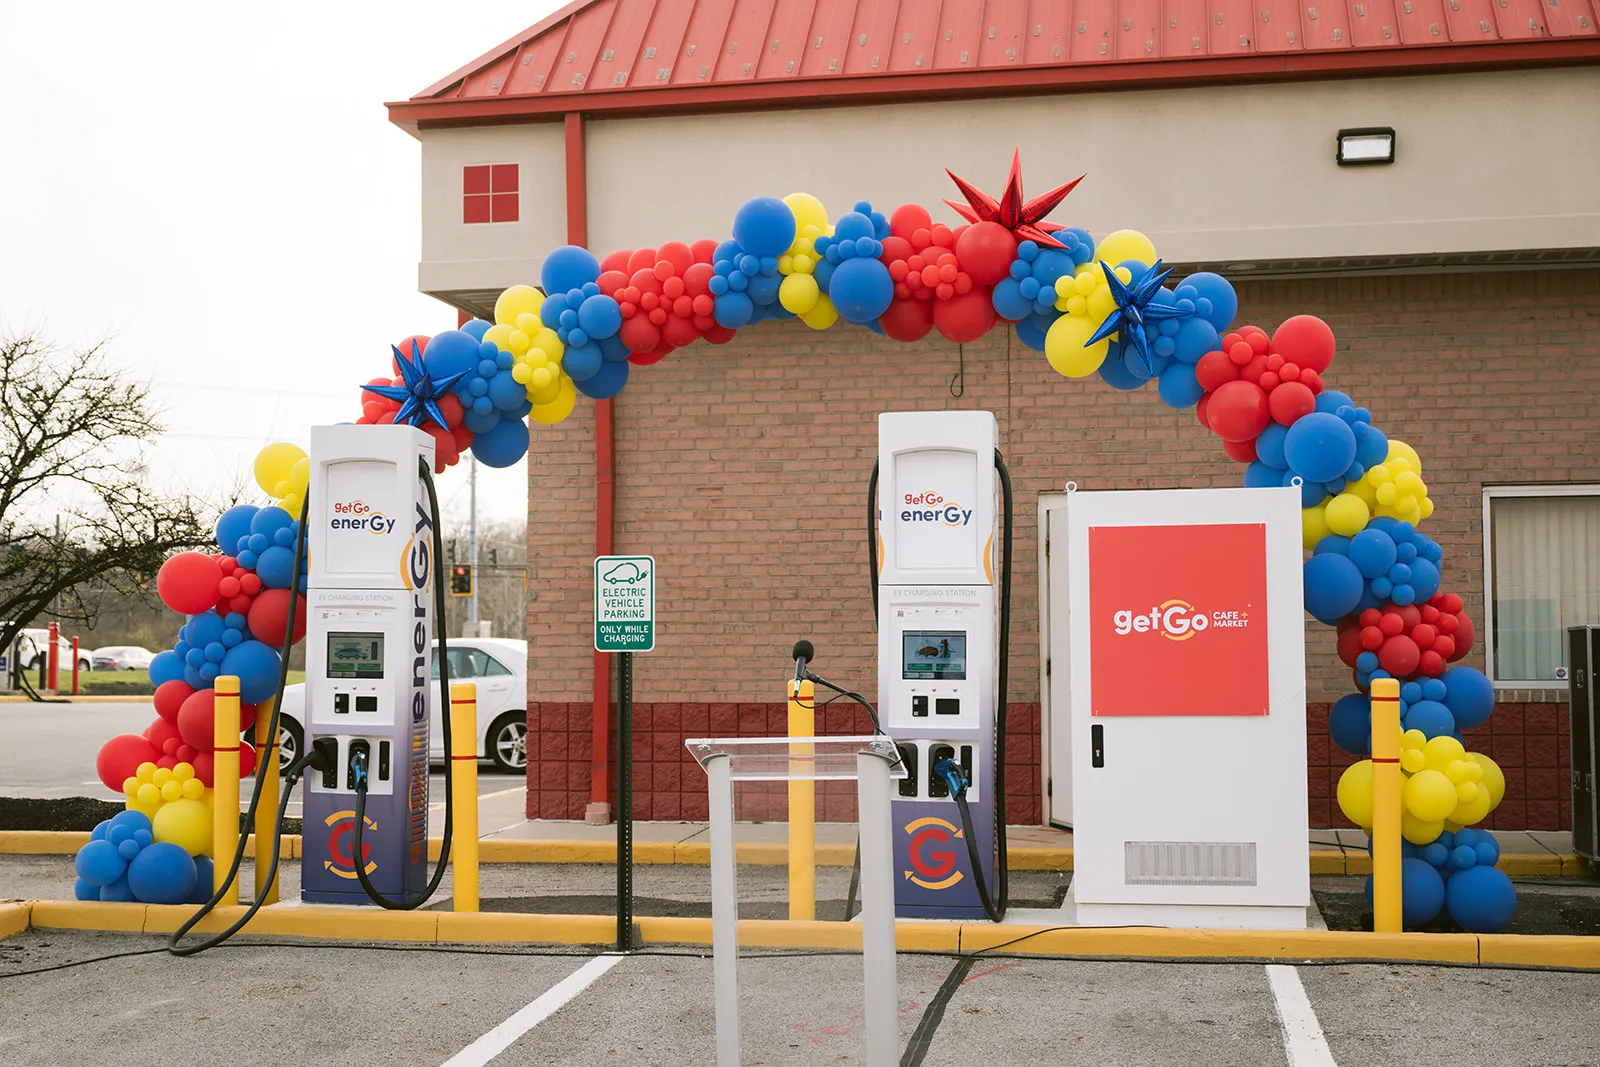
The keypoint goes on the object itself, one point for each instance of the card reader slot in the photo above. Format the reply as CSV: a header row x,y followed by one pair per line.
x,y
908,757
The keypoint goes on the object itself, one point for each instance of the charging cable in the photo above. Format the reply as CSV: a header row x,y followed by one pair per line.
x,y
956,779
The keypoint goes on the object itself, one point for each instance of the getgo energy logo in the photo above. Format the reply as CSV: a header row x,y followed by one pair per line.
x,y
1177,620
357,515
931,507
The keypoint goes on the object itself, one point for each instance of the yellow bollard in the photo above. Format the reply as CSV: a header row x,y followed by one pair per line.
x,y
464,792
225,783
802,807
267,806
1386,917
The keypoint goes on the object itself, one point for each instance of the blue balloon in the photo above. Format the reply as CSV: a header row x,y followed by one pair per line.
x,y
1333,543
732,310
233,637
1195,338
1115,373
1331,400
82,890
215,651
1030,334
505,392
162,874
1258,475
234,524
1178,386
99,863
1469,695
823,273
165,667
1422,892
482,420
1487,850
608,382
450,353
568,267
765,226
117,891
203,629
1009,303
1311,493
268,521
1350,724
1373,553
1462,857
613,348
1373,447
582,361
208,672
502,446
275,568
1218,290
1435,853
1424,579
1269,446
600,316
1332,587
861,290
763,289
1320,447
203,868
256,666
474,328
1431,717
1481,899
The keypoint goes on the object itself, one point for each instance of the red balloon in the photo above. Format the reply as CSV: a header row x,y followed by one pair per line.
x,y
270,613
697,279
1410,614
1390,623
205,768
1238,411
120,757
680,255
197,721
719,335
986,250
644,359
617,260
188,582
966,317
907,320
1350,645
1306,340
1463,637
611,280
170,697
1202,411
444,448
247,759
640,334
703,250
1430,663
1290,401
679,331
1399,656
1240,451
1445,646
1424,635
451,408
643,259
419,341
1214,370
907,219
160,732
1371,639
462,436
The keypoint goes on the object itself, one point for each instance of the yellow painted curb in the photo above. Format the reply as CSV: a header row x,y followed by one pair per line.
x,y
1025,858
42,842
362,924
1549,950
1529,865
1575,866
1327,861
503,927
1269,944
87,915
126,698
15,918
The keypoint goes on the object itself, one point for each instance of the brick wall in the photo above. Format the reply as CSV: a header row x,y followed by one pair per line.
x,y
743,469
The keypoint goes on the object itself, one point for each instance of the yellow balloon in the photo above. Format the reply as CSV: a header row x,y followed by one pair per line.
x,y
1430,796
149,794
1100,304
162,776
133,803
799,293
521,373
172,791
1412,760
528,323
130,785
1313,525
1355,793
1400,449
273,465
1064,347
500,334
194,788
1123,245
1494,779
1474,810
517,300
559,408
822,314
808,211
293,502
146,771
185,823
1347,514
1443,751
1419,831
300,476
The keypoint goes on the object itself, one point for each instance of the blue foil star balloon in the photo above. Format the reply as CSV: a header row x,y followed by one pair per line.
x,y
419,397
1136,306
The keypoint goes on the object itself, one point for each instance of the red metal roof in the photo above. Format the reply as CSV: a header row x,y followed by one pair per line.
x,y
652,55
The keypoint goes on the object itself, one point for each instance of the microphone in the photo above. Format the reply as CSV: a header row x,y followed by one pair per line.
x,y
803,651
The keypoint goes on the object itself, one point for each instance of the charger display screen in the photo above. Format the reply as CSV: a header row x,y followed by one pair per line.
x,y
934,654
355,655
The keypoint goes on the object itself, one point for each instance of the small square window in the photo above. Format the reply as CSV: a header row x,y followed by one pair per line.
x,y
489,193
1540,545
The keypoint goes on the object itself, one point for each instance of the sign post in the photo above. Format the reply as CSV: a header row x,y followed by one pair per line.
x,y
624,623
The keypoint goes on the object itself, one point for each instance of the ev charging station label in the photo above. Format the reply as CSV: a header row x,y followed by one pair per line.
x,y
624,603
1178,620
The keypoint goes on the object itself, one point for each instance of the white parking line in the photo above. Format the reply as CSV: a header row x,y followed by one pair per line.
x,y
1303,1042
547,1004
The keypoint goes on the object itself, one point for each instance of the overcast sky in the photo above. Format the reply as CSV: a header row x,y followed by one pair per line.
x,y
217,188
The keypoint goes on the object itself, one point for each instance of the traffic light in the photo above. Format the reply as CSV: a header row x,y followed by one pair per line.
x,y
461,580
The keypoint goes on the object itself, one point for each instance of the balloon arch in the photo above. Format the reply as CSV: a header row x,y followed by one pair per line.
x,y
1103,307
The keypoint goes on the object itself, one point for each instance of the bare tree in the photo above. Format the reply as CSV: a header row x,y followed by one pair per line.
x,y
501,578
71,429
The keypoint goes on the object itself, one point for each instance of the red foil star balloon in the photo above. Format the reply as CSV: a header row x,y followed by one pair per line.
x,y
1024,220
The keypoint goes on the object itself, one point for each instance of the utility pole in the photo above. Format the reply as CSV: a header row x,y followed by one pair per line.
x,y
472,548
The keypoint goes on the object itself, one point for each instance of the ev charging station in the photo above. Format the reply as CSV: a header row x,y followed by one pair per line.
x,y
369,642
938,650
1185,647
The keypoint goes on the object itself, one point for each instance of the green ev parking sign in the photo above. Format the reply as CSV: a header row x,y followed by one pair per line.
x,y
624,603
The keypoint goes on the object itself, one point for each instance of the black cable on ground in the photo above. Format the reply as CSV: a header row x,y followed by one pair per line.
x,y
249,818
407,903
989,909
922,1038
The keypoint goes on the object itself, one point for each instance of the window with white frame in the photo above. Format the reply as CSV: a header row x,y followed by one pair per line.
x,y
1541,556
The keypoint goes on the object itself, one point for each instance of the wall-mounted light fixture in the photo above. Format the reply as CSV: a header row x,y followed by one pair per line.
x,y
1365,146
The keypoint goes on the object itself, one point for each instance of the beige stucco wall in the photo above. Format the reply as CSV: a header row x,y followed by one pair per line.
x,y
1486,162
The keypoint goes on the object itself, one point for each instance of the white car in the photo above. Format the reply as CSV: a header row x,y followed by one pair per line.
x,y
121,658
499,668
31,642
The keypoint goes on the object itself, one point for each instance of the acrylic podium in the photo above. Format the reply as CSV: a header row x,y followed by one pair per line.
x,y
873,763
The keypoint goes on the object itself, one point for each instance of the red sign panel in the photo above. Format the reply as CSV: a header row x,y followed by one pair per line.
x,y
1178,620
